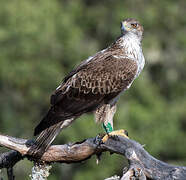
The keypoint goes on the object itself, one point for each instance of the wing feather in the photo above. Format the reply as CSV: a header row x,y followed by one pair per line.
x,y
108,76
95,84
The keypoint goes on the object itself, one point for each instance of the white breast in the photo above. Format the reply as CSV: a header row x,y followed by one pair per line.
x,y
133,50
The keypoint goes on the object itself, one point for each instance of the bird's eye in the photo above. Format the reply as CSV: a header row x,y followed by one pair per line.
x,y
134,25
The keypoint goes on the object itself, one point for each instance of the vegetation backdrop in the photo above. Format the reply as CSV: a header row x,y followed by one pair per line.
x,y
41,41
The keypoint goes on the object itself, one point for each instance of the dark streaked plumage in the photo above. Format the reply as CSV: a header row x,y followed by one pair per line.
x,y
95,83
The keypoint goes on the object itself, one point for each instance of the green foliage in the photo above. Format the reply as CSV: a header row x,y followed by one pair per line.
x,y
41,41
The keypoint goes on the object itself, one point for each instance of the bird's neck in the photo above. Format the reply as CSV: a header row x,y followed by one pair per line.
x,y
131,45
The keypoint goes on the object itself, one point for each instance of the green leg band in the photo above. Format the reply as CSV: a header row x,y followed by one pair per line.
x,y
107,128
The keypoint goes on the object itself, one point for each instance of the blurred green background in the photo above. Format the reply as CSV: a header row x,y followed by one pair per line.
x,y
41,41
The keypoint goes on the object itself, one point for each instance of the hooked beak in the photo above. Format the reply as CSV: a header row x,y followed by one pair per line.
x,y
124,27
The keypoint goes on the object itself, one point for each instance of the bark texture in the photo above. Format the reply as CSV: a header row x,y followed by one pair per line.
x,y
141,164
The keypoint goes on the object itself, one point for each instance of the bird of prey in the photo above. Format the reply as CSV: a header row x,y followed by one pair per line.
x,y
94,85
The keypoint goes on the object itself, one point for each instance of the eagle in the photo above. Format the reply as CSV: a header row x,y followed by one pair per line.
x,y
94,86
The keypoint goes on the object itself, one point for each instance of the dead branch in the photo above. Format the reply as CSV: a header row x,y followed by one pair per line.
x,y
69,153
141,163
9,159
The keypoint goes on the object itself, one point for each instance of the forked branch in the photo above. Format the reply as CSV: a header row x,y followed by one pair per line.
x,y
141,163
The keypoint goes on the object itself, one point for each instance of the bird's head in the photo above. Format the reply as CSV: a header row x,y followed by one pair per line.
x,y
131,25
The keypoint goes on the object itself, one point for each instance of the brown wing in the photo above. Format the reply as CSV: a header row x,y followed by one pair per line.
x,y
98,79
95,83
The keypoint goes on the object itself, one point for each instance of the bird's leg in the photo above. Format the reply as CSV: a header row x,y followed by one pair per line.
x,y
108,128
108,125
105,115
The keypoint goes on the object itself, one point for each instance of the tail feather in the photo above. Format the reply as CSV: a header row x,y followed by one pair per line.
x,y
44,140
48,121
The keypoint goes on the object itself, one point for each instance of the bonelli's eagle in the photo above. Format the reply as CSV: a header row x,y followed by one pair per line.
x,y
94,85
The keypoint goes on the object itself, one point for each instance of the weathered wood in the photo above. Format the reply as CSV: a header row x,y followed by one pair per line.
x,y
141,163
68,153
9,159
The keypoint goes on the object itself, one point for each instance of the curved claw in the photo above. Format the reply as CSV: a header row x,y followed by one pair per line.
x,y
120,132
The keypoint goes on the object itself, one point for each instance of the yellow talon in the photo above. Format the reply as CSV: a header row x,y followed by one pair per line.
x,y
120,132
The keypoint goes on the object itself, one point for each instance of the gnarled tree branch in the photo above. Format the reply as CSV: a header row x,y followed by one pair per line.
x,y
141,163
